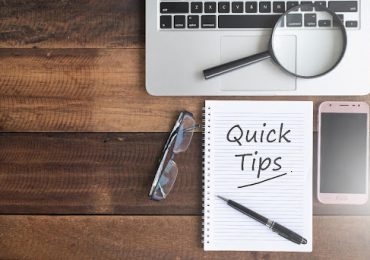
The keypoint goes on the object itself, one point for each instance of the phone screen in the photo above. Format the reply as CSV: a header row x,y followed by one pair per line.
x,y
343,165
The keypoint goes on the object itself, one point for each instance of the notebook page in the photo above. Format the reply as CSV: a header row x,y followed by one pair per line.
x,y
258,154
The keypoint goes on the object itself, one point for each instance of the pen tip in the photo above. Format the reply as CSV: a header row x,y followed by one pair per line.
x,y
304,241
222,198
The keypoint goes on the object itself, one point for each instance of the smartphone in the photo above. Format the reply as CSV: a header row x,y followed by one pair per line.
x,y
343,153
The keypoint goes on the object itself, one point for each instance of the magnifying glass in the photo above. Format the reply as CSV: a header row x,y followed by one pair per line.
x,y
319,37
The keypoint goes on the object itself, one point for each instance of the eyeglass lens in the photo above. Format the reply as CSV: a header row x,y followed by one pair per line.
x,y
166,181
184,135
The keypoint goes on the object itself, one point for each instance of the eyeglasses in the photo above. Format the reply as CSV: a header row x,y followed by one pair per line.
x,y
177,142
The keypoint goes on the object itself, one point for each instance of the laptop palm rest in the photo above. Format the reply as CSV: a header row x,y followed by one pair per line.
x,y
264,75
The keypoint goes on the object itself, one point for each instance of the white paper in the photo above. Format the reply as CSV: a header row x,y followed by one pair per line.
x,y
286,200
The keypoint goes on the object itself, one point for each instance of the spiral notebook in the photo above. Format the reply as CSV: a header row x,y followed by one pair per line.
x,y
259,154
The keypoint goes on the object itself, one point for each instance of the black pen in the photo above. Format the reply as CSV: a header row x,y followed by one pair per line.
x,y
276,227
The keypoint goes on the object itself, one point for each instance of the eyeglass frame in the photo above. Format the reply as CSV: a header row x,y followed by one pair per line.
x,y
170,140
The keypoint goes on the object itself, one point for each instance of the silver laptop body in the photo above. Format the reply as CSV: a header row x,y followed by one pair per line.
x,y
179,46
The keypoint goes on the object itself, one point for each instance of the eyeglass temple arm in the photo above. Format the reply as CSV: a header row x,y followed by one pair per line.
x,y
172,138
159,170
175,132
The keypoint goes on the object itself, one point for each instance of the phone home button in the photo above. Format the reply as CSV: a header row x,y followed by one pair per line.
x,y
341,197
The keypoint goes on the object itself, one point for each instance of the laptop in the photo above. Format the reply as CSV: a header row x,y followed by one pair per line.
x,y
185,37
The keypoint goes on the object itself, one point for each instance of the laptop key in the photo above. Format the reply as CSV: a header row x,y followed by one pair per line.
x,y
310,20
343,6
210,7
324,23
208,21
320,3
251,7
278,7
294,20
179,21
174,7
165,21
223,7
351,24
237,7
265,7
306,8
193,21
291,4
247,21
197,7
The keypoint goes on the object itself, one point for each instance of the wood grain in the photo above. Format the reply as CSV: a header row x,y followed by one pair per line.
x,y
88,90
79,66
72,24
159,237
92,174
110,173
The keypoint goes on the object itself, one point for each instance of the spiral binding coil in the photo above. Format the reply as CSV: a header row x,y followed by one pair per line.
x,y
206,116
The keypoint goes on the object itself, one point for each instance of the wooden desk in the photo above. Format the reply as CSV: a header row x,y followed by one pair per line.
x,y
73,72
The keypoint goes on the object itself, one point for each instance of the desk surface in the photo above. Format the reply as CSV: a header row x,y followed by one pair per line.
x,y
80,138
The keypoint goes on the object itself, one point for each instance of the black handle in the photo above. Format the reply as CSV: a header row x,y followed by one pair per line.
x,y
236,64
288,234
263,220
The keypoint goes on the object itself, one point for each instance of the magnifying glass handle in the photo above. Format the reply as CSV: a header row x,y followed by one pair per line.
x,y
236,64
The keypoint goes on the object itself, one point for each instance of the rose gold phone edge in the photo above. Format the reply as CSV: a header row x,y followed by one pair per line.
x,y
342,198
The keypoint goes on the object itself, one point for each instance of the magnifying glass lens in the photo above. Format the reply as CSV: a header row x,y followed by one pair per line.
x,y
308,44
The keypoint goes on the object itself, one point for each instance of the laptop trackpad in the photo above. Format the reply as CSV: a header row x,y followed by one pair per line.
x,y
264,75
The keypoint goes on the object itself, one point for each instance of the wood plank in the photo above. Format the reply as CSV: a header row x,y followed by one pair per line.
x,y
110,173
89,90
72,24
81,90
159,237
92,174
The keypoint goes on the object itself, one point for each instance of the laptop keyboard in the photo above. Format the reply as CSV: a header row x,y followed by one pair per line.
x,y
246,14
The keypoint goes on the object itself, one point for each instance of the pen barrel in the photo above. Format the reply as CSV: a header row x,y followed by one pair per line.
x,y
287,233
263,220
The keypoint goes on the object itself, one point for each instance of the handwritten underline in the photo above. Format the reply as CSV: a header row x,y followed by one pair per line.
x,y
277,176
